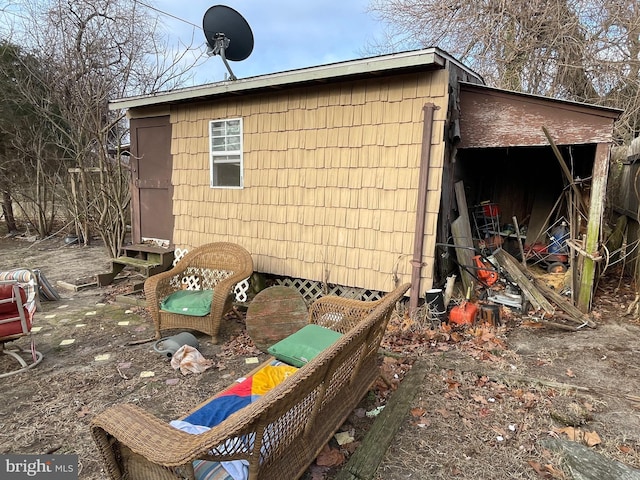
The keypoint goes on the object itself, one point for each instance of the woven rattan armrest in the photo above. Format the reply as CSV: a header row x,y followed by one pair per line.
x,y
157,440
340,314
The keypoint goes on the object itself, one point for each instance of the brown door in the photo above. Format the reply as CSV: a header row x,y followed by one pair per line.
x,y
151,201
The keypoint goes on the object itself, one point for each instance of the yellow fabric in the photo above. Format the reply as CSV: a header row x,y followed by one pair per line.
x,y
269,376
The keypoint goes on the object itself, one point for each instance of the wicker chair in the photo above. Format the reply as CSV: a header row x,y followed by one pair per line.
x,y
218,266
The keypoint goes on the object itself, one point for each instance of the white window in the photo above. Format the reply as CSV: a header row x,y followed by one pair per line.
x,y
225,142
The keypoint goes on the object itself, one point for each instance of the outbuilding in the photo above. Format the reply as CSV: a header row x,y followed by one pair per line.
x,y
346,174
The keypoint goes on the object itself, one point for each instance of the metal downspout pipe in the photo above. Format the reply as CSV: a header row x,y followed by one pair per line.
x,y
421,210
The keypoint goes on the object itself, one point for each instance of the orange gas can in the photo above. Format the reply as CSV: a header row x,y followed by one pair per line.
x,y
464,314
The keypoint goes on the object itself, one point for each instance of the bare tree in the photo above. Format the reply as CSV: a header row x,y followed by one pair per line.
x,y
92,51
583,50
29,160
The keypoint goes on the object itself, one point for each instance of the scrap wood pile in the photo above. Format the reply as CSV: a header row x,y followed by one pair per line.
x,y
549,305
506,289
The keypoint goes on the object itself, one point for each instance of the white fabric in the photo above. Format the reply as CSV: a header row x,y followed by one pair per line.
x,y
238,469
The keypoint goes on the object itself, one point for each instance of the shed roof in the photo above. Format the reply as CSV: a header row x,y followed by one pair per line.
x,y
609,112
371,67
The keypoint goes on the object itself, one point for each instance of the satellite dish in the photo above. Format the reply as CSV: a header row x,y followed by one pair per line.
x,y
228,34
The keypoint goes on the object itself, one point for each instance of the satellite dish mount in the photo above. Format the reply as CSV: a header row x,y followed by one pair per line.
x,y
220,44
228,34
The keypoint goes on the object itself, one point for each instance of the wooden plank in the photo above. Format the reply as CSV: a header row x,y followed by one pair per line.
x,y
587,464
463,207
364,463
463,236
464,254
136,262
523,259
565,169
596,210
515,270
562,303
543,206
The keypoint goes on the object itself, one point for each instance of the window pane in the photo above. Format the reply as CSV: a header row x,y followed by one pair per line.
x,y
217,129
233,143
218,144
233,127
226,174
225,140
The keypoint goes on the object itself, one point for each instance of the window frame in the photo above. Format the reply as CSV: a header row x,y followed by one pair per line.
x,y
213,181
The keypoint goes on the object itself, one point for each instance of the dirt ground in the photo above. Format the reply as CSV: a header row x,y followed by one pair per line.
x,y
490,401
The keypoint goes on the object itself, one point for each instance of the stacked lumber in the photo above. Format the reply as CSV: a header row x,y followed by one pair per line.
x,y
556,310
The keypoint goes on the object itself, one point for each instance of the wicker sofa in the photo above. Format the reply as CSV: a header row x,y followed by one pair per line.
x,y
279,435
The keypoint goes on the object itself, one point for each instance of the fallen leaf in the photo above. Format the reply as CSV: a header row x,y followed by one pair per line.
x,y
570,432
545,471
343,438
83,412
455,471
417,412
499,431
570,373
329,457
482,381
443,412
591,439
484,412
456,337
452,384
317,473
555,472
422,422
624,448
537,466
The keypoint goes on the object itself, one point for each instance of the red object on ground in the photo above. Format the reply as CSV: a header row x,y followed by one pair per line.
x,y
463,314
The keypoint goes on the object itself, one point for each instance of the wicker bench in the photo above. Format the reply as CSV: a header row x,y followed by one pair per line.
x,y
278,435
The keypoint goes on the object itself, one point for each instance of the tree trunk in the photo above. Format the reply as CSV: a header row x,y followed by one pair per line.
x,y
7,211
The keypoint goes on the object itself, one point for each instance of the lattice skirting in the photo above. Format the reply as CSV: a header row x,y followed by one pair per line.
x,y
310,290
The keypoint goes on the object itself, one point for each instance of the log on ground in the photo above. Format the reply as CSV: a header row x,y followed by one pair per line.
x,y
364,463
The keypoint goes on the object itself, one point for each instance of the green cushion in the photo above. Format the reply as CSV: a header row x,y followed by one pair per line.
x,y
196,303
301,347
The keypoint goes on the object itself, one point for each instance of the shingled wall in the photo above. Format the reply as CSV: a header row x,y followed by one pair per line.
x,y
330,178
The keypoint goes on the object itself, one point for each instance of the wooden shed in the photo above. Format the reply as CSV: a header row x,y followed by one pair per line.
x,y
344,173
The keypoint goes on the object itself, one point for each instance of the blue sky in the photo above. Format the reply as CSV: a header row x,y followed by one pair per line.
x,y
288,34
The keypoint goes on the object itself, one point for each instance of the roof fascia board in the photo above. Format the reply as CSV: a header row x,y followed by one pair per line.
x,y
609,112
374,65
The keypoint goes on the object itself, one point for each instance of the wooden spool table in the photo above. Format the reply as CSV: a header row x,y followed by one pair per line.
x,y
275,313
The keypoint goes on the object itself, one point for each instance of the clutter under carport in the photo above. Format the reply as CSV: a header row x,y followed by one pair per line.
x,y
501,281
